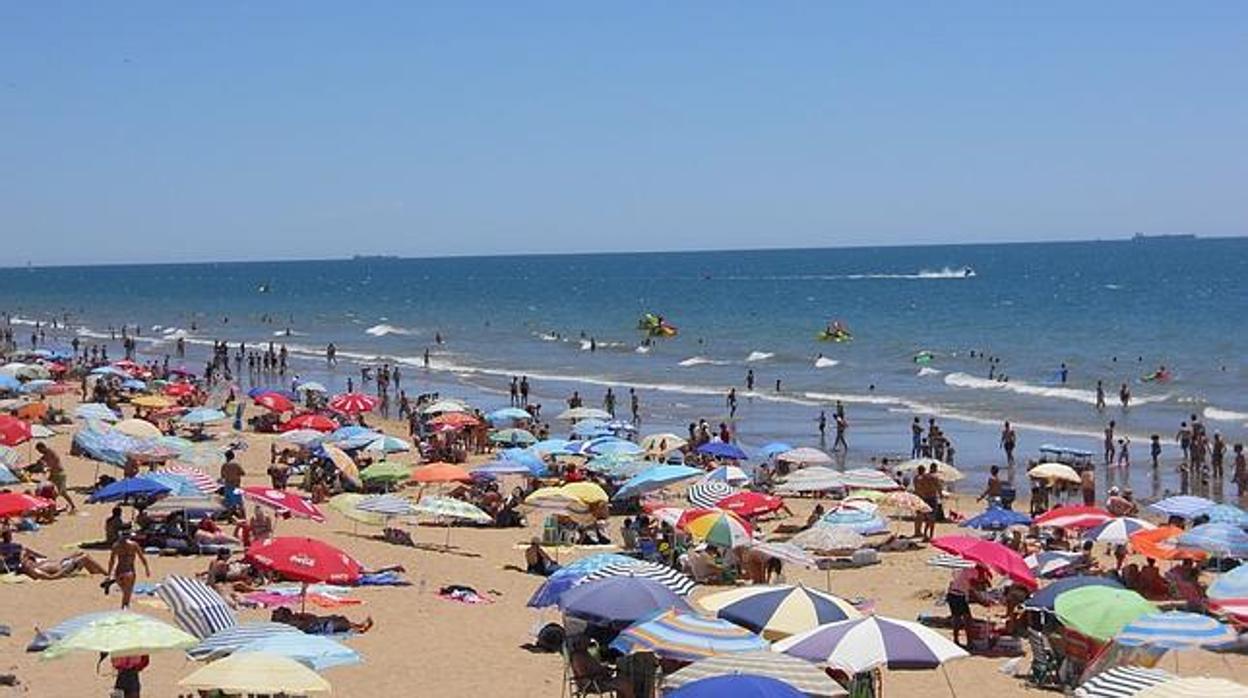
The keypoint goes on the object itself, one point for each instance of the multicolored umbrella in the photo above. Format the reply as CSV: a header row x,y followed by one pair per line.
x,y
305,560
1217,539
619,600
1175,630
197,607
353,403
777,612
571,574
863,644
1050,562
722,528
807,678
685,637
121,634
257,673
284,500
729,474
1118,530
1100,612
989,554
387,505
344,463
708,494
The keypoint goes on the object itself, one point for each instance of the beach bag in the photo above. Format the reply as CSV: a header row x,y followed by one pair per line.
x,y
550,638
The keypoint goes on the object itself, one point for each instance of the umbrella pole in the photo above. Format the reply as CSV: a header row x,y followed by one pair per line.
x,y
303,598
448,535
945,672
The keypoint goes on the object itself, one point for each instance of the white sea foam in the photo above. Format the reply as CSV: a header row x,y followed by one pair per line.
x,y
760,355
642,349
825,362
928,371
964,380
381,330
702,361
1219,415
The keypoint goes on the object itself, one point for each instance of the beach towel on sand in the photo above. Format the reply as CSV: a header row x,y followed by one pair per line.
x,y
463,594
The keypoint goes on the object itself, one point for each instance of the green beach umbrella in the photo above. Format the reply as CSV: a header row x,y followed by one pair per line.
x,y
1100,612
345,504
122,634
513,436
386,471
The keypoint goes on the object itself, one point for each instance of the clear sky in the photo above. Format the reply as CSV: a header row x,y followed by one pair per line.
x,y
153,131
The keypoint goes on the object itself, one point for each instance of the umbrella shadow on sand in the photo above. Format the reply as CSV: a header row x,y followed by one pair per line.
x,y
445,549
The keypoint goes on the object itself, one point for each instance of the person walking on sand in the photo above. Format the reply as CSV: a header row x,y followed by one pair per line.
x,y
634,406
121,566
524,391
56,473
1217,454
1008,440
1154,450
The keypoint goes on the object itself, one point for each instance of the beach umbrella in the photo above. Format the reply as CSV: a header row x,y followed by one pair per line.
x,y
739,686
457,420
129,488
996,518
178,486
6,475
507,414
502,467
138,428
345,465
315,422
812,479
386,471
571,574
202,481
9,384
989,554
590,428
770,450
203,415
316,652
1073,517
353,403
1100,612
862,644
655,478
451,508
21,504
1054,472
13,431
1228,514
944,471
109,371
1122,682
387,444
1228,585
179,389
679,583
951,562
95,410
1043,599
256,673
1175,630
903,501
777,612
311,387
708,494
722,528
41,386
864,523
387,505
808,679
345,503
1195,687
1050,562
302,437
155,402
197,608
588,492
445,406
304,560
578,413
553,500
122,634
804,456
44,638
748,504
829,539
1159,543
1217,539
1183,505
284,500
440,472
353,432
614,447
719,449
729,474
868,479
788,552
1117,530
513,437
682,636
663,443
619,600
274,401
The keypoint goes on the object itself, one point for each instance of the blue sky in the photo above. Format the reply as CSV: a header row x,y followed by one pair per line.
x,y
194,131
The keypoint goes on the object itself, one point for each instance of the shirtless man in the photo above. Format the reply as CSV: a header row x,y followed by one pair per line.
x,y
56,472
121,566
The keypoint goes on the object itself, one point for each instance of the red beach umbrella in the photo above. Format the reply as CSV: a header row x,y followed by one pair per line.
x,y
179,389
13,431
1073,517
284,500
747,504
353,403
317,422
274,401
19,504
305,560
455,419
989,554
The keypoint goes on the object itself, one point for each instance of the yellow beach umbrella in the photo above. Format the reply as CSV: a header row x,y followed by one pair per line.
x,y
343,462
587,492
257,672
345,504
1054,471
138,428
122,634
153,401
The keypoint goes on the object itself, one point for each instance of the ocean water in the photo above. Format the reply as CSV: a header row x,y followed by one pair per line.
x,y
1112,311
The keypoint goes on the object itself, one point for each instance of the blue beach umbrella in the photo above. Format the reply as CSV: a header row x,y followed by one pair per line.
x,y
9,383
109,371
1175,630
616,448
1183,505
507,414
352,432
1044,599
519,455
134,384
1217,539
776,612
995,519
656,478
203,415
570,575
39,386
1230,585
619,600
178,486
1227,514
502,467
774,449
719,449
589,428
257,392
546,446
861,522
131,487
316,652
6,476
9,456
388,444
95,410
738,686
686,637
231,639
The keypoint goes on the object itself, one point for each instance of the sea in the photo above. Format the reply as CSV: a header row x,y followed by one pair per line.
x,y
971,335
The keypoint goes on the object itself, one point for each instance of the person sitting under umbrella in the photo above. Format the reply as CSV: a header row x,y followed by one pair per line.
x,y
538,561
592,675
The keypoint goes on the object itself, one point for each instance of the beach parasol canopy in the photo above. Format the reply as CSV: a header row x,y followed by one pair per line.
x,y
719,449
739,686
1050,562
996,518
1159,543
305,560
1227,513
284,500
1073,517
316,652
344,463
862,644
708,494
804,456
1117,530
829,539
868,479
655,478
516,437
274,401
729,474
229,640
787,552
1228,585
859,521
121,634
678,582
684,637
507,414
20,504
1184,506
345,504
387,444
6,475
718,527
619,600
1175,630
129,488
1195,687
1100,612
440,472
302,437
992,555
197,608
808,679
907,502
1122,682
154,402
353,403
1054,472
386,471
749,504
315,422
13,431
572,574
450,508
812,479
387,505
311,387
1217,539
1044,599
588,492
777,612
95,410
203,415
257,673
663,443
577,413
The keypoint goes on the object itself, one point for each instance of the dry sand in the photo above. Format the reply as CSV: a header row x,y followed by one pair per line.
x,y
424,645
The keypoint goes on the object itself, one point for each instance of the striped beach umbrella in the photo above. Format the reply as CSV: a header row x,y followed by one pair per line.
x,y
571,574
859,521
1050,562
619,600
730,474
1195,687
686,637
829,539
776,612
202,481
722,528
353,403
387,444
197,608
952,562
1122,682
804,456
178,485
284,500
788,552
95,410
1044,599
863,644
1234,609
1073,517
801,675
1175,630
316,652
451,508
387,505
707,494
868,479
1182,505
675,580
1117,530
1217,539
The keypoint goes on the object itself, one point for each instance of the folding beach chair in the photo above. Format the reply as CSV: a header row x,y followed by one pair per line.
x,y
1044,661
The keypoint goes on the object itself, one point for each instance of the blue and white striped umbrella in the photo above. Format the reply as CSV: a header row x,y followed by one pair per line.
x,y
1175,630
679,582
1230,585
686,637
1182,505
1122,682
388,444
571,574
178,486
95,410
1228,514
1117,530
314,651
231,639
730,474
1217,539
197,607
387,505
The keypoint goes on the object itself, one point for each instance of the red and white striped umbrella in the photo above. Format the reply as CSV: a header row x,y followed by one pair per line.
x,y
202,481
284,500
353,403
